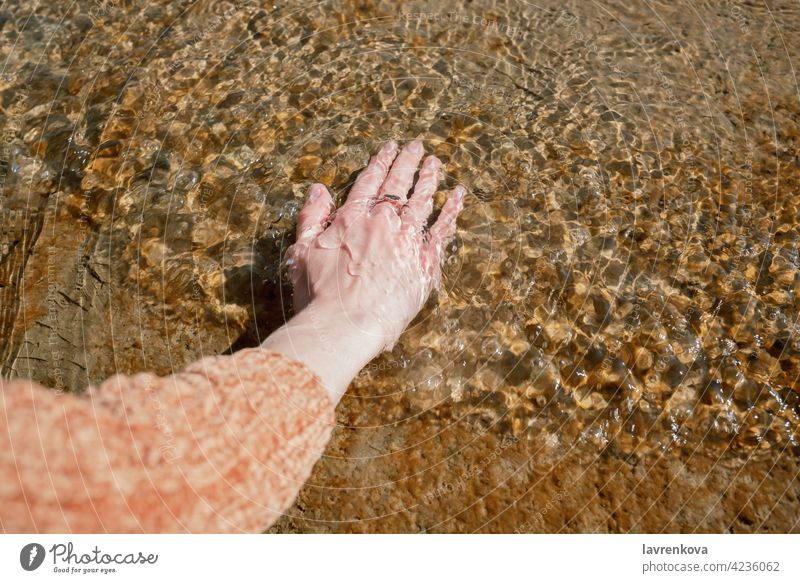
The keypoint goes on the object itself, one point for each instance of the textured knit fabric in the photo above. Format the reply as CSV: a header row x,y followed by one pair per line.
x,y
222,446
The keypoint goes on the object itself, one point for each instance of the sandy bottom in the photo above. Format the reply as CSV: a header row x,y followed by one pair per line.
x,y
616,346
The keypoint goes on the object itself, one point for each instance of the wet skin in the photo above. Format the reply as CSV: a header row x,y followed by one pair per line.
x,y
363,271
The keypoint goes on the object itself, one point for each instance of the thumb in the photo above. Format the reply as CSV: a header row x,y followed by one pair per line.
x,y
314,214
442,232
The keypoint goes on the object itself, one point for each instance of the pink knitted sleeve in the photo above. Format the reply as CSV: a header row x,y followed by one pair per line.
x,y
222,446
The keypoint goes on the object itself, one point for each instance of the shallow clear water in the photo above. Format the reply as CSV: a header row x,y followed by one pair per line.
x,y
626,267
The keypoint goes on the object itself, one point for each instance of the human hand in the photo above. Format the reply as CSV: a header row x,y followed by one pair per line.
x,y
363,271
371,260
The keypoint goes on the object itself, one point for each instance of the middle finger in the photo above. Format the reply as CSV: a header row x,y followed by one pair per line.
x,y
401,176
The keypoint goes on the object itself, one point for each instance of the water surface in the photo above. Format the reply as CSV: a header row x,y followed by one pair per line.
x,y
616,344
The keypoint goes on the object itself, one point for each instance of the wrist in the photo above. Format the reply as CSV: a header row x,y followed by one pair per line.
x,y
346,334
333,343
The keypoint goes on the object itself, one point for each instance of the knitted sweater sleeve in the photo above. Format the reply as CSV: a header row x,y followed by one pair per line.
x,y
222,446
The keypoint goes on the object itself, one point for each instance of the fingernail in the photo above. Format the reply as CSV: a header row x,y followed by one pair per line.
x,y
389,147
415,147
431,161
314,192
460,192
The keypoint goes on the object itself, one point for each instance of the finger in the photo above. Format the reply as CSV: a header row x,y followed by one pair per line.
x,y
314,214
401,176
444,229
389,211
370,180
420,205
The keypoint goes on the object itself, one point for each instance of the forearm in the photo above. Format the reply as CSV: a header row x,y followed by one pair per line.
x,y
334,345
